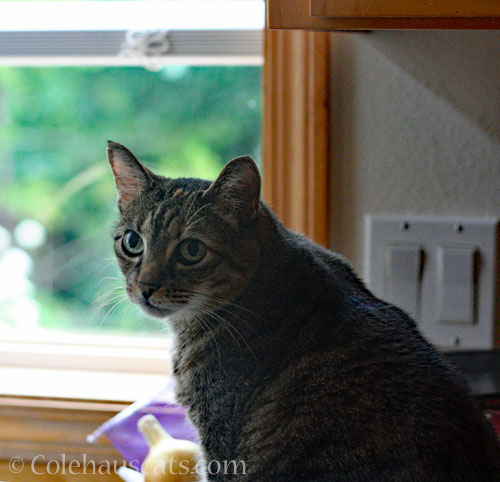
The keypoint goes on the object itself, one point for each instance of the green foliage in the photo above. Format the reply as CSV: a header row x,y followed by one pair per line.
x,y
54,122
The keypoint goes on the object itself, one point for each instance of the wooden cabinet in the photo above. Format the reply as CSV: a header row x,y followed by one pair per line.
x,y
404,8
383,14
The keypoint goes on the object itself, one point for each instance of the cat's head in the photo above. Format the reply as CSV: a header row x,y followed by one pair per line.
x,y
185,245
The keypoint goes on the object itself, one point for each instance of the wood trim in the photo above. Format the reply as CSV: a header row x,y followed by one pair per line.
x,y
31,426
295,14
405,8
54,473
295,130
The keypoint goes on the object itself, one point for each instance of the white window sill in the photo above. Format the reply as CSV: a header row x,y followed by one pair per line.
x,y
79,384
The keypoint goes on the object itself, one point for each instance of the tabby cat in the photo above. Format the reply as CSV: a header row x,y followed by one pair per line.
x,y
286,360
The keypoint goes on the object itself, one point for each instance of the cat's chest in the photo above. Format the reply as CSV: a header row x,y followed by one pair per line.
x,y
209,375
213,410
216,395
193,373
206,387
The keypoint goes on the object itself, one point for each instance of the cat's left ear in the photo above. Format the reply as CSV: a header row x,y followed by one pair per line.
x,y
238,187
131,176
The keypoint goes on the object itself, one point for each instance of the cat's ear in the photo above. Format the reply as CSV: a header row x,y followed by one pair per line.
x,y
238,187
131,176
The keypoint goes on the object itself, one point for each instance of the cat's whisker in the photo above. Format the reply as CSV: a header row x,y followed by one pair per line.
x,y
221,324
195,196
104,302
110,278
115,291
228,326
245,323
108,304
110,301
111,311
221,300
196,221
207,327
114,296
108,262
223,305
196,212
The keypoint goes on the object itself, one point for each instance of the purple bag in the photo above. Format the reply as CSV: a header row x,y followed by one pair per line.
x,y
122,432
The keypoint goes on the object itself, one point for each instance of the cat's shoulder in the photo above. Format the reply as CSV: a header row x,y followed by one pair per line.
x,y
333,263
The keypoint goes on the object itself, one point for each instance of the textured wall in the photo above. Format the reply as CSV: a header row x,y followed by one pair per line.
x,y
415,128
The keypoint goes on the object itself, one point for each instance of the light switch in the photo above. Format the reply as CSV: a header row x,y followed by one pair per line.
x,y
402,276
456,283
442,270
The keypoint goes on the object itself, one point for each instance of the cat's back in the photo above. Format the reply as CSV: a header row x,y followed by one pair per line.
x,y
358,375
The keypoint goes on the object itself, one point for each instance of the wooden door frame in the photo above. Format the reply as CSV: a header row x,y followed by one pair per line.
x,y
295,129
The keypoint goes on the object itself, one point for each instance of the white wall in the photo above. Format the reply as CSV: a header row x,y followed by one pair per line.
x,y
415,128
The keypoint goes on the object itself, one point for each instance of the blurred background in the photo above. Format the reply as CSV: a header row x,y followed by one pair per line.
x,y
57,194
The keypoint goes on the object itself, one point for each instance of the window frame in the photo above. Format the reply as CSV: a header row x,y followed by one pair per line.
x,y
296,150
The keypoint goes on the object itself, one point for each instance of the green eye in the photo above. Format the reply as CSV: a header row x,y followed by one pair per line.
x,y
191,251
132,243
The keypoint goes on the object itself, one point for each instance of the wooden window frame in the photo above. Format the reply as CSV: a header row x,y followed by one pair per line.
x,y
295,152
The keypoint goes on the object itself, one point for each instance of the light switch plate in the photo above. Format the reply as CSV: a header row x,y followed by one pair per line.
x,y
449,244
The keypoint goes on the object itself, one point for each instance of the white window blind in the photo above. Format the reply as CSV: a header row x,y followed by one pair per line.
x,y
151,32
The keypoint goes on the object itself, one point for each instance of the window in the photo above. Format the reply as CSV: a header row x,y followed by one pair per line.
x,y
185,100
149,32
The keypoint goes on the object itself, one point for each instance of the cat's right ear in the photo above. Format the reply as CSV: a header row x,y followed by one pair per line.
x,y
237,189
131,176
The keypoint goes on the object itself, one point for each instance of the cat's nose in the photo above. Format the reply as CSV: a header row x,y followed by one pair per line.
x,y
147,289
146,293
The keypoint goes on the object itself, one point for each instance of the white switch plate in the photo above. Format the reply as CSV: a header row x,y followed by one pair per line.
x,y
441,239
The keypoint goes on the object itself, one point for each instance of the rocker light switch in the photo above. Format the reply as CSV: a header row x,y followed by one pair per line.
x,y
445,271
402,280
456,283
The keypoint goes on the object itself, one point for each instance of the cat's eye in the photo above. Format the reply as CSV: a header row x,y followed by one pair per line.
x,y
132,243
191,251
